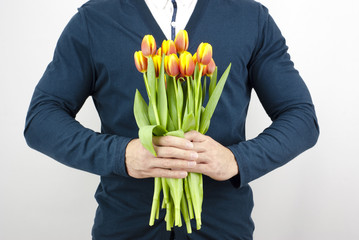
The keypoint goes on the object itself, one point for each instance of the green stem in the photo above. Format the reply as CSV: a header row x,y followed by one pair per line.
x,y
156,113
198,98
146,84
155,201
195,183
184,211
189,199
178,220
165,191
189,96
177,106
198,84
169,216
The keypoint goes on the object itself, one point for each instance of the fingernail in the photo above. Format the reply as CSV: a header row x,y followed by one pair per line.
x,y
194,155
192,164
189,145
183,174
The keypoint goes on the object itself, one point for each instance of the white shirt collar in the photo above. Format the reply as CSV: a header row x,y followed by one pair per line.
x,y
162,4
162,11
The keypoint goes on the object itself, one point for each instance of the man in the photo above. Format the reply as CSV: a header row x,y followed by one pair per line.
x,y
94,57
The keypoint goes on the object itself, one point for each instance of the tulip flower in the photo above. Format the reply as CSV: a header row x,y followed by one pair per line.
x,y
148,46
204,53
159,52
204,69
210,68
171,65
186,64
140,61
157,64
194,57
168,47
181,41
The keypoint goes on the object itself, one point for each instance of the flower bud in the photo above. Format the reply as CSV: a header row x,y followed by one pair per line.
x,y
204,53
194,57
148,46
210,68
168,47
140,62
171,65
181,41
186,64
157,64
159,52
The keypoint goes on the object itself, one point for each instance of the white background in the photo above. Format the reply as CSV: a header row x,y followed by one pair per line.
x,y
313,197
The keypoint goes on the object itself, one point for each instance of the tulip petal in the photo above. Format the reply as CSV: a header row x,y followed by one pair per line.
x,y
148,46
181,41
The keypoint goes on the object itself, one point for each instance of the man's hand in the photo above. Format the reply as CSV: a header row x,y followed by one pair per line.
x,y
175,157
214,160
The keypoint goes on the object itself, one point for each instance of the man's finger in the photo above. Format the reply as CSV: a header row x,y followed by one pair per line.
x,y
165,173
170,141
194,136
201,168
166,163
173,152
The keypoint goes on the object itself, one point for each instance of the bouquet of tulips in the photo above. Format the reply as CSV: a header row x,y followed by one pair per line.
x,y
176,88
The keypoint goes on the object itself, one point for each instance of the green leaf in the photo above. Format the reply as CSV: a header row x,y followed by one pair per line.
x,y
205,124
177,133
146,135
170,125
204,89
179,102
199,111
140,110
162,97
151,77
171,98
151,113
212,102
189,122
213,83
159,130
196,71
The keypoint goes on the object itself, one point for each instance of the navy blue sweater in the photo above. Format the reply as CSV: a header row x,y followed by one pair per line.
x,y
94,57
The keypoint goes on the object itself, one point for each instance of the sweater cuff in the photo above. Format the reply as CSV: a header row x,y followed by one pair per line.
x,y
239,179
120,158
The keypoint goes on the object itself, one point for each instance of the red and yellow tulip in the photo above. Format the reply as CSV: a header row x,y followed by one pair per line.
x,y
159,52
181,41
157,63
140,61
148,46
204,53
194,57
186,64
172,65
210,68
168,47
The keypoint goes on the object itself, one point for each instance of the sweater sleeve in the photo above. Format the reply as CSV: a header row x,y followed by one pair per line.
x,y
285,99
51,127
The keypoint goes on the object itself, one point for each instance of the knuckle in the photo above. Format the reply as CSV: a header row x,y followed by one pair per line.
x,y
166,164
167,139
171,151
